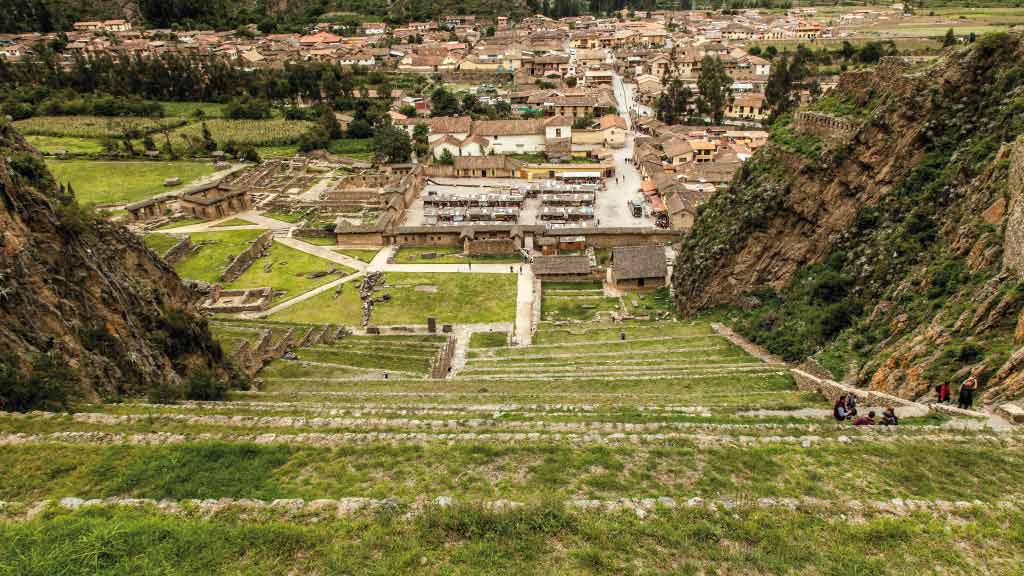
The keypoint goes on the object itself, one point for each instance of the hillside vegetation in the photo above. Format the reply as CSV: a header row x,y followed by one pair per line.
x,y
87,312
893,257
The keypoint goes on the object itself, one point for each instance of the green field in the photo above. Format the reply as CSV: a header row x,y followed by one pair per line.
x,y
104,182
275,132
161,243
186,109
94,126
289,272
361,255
469,298
68,144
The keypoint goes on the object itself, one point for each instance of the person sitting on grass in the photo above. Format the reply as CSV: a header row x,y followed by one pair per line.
x,y
868,420
839,409
889,417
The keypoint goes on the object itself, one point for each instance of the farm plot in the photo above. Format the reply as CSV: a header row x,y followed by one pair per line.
x,y
276,132
94,126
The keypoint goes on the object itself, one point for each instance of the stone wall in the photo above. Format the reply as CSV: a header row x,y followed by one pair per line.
x,y
1013,243
442,364
825,126
312,233
179,251
490,247
241,263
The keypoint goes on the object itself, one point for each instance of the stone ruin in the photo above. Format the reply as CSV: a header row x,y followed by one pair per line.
x,y
832,129
232,301
242,262
366,290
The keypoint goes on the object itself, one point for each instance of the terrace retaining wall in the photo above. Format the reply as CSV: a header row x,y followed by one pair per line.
x,y
179,251
241,263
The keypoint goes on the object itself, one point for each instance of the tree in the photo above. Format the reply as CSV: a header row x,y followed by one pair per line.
x,y
470,103
674,102
950,38
870,53
360,128
715,88
446,157
420,138
442,103
208,143
329,122
779,88
392,145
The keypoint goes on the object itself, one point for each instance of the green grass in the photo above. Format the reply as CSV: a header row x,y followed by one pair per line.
x,y
277,151
570,301
447,255
488,340
182,223
540,539
235,222
103,182
351,146
161,243
320,241
290,217
93,126
460,298
289,272
361,255
69,144
186,109
274,132
212,259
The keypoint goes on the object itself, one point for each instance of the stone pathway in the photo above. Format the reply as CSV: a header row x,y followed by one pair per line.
x,y
525,301
324,252
463,334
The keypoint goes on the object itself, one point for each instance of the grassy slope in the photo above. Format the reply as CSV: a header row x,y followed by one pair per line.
x,y
108,182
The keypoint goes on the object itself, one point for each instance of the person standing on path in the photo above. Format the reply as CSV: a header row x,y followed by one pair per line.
x,y
967,389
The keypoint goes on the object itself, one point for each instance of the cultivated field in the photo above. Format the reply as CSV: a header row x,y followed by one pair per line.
x,y
94,126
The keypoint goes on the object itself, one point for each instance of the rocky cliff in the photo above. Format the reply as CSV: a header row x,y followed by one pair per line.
x,y
892,254
86,310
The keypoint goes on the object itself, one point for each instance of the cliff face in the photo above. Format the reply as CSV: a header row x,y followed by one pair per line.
x,y
87,294
893,255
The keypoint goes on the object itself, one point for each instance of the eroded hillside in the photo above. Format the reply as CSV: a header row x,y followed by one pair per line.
x,y
892,254
86,310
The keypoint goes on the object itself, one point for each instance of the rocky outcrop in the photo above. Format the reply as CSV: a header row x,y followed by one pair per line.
x,y
1013,241
896,256
86,293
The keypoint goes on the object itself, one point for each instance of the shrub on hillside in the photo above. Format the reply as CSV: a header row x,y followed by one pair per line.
x,y
204,385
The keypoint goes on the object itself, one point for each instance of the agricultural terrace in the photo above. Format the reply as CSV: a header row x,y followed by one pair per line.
x,y
111,182
600,438
451,298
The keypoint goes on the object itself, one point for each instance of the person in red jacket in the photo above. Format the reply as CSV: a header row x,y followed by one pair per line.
x,y
868,420
942,393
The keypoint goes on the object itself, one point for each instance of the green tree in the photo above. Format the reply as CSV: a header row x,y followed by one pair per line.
x,y
674,102
950,38
391,145
715,88
446,157
329,122
443,103
360,128
777,92
420,139
208,143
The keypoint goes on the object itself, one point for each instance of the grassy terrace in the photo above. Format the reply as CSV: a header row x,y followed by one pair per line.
x,y
290,271
135,180
592,402
451,298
